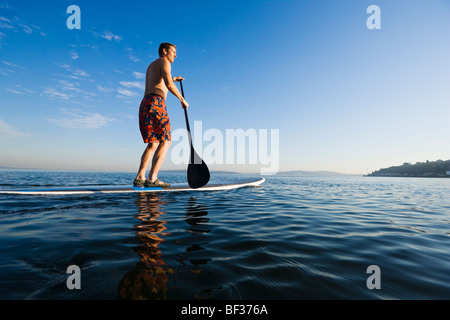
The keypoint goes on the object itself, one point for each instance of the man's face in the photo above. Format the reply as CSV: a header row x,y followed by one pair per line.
x,y
171,54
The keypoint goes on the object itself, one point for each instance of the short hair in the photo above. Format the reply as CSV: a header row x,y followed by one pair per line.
x,y
166,46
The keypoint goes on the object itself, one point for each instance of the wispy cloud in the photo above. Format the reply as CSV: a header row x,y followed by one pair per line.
x,y
16,24
11,68
5,23
108,35
138,75
74,55
69,90
127,93
14,91
7,131
131,55
75,72
19,89
103,89
4,6
73,87
26,28
134,58
52,93
126,89
133,84
76,119
12,64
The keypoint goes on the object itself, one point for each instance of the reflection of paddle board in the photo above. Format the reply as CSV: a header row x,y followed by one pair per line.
x,y
128,189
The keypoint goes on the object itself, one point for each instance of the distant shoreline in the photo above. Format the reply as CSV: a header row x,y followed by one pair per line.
x,y
404,176
428,169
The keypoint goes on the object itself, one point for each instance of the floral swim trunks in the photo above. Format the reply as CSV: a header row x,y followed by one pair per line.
x,y
154,120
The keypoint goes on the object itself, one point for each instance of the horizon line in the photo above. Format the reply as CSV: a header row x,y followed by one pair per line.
x,y
184,170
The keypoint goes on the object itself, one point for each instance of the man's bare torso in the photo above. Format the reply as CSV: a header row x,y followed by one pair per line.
x,y
154,80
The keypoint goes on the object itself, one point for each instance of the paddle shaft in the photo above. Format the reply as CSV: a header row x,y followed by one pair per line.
x,y
185,110
187,125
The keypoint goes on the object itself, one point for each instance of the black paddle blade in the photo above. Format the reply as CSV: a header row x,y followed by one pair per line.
x,y
197,173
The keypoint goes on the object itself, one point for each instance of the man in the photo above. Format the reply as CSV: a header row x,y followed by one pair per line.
x,y
154,120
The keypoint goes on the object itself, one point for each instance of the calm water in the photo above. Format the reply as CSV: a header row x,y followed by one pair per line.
x,y
292,238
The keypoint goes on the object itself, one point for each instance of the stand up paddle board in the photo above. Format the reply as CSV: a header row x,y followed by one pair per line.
x,y
130,189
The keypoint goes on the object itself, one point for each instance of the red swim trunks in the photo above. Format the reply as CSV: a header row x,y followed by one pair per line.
x,y
154,120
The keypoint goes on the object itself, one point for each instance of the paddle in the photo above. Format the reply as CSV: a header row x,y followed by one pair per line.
x,y
198,172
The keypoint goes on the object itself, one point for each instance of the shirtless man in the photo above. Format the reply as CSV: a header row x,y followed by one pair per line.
x,y
154,120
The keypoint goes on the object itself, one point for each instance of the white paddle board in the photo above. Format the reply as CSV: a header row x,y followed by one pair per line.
x,y
130,189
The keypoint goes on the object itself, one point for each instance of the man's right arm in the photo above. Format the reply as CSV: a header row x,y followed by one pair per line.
x,y
167,77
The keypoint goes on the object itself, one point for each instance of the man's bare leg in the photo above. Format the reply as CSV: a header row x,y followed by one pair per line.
x,y
158,159
146,158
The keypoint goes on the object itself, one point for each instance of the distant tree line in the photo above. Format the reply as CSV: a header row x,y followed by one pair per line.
x,y
437,168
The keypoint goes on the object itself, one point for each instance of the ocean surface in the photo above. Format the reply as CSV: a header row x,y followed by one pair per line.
x,y
292,238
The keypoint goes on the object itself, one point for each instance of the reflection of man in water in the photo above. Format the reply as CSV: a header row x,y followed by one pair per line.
x,y
152,278
149,279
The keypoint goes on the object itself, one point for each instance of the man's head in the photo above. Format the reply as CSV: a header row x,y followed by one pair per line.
x,y
168,50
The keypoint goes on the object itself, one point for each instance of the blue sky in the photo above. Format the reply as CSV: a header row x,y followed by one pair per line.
x,y
344,98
